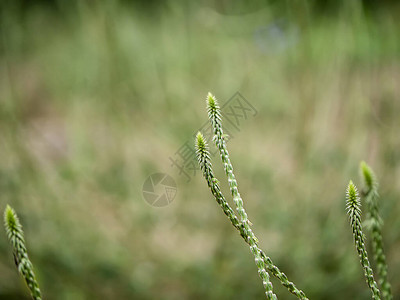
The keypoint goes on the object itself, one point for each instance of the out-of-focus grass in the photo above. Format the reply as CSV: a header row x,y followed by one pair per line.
x,y
94,98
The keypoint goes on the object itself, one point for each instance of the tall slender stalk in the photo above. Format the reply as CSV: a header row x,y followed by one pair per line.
x,y
15,235
375,227
214,114
244,224
205,164
353,207
203,157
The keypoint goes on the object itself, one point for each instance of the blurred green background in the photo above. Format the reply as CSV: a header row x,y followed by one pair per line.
x,y
97,95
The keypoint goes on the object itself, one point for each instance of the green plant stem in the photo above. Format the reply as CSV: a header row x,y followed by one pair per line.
x,y
375,226
353,207
205,163
15,235
214,114
203,157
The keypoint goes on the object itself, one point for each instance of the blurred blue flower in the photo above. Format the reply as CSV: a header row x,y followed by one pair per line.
x,y
276,37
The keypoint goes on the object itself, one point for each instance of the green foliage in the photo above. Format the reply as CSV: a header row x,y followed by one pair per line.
x,y
353,206
375,223
15,235
105,94
264,264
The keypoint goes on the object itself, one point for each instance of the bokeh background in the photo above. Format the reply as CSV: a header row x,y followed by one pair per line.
x,y
95,96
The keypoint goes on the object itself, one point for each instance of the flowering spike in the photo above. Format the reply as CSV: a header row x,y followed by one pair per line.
x,y
201,144
375,223
368,176
353,204
353,207
214,111
212,104
15,235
